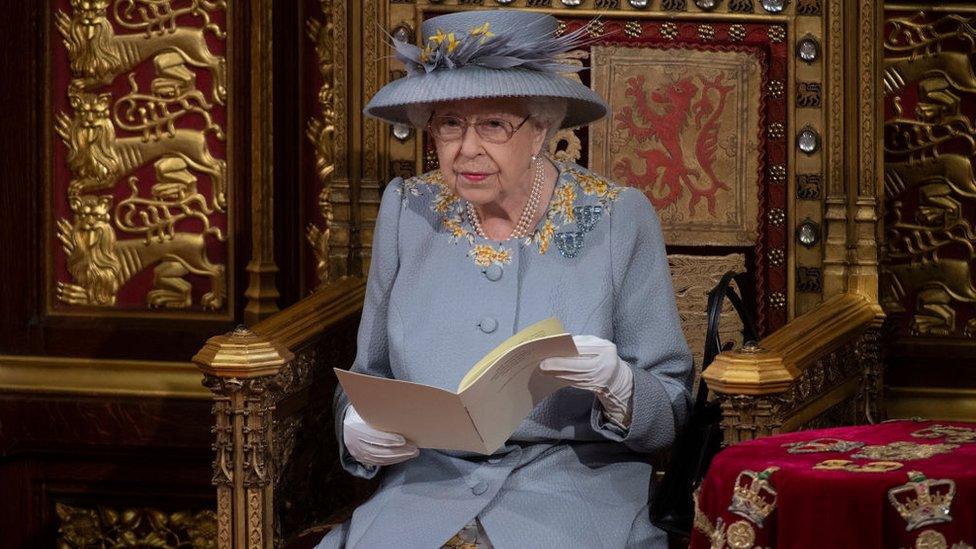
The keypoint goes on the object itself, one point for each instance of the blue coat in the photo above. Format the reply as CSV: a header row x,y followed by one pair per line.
x,y
439,297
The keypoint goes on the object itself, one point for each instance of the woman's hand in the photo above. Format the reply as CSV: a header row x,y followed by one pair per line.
x,y
600,370
371,446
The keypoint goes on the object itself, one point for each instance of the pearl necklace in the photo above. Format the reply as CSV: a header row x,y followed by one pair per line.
x,y
521,228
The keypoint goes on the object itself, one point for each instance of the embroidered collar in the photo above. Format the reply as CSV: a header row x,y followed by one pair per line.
x,y
573,185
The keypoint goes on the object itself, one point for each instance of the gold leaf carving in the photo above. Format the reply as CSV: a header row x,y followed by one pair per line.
x,y
105,526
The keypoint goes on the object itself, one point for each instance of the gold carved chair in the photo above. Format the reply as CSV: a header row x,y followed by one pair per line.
x,y
810,242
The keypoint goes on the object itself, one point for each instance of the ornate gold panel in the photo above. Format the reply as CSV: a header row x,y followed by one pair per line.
x,y
930,188
139,187
82,527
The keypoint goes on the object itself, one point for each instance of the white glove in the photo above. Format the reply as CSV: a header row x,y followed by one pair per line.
x,y
371,446
600,370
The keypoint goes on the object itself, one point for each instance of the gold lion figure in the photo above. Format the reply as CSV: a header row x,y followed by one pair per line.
x,y
98,159
97,55
100,264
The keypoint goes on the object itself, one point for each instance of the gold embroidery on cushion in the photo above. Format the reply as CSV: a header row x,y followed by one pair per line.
x,y
851,467
903,451
923,501
756,499
822,445
952,433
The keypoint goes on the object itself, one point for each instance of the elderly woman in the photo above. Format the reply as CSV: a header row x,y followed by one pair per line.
x,y
498,238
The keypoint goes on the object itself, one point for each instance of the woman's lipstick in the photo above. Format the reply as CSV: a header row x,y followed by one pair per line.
x,y
474,176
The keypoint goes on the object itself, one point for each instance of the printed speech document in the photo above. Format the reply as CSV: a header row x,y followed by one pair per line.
x,y
492,399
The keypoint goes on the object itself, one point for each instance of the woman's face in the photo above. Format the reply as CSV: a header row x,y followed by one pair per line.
x,y
479,170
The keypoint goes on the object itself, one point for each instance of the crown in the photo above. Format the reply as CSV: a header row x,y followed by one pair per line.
x,y
952,433
754,499
922,501
822,445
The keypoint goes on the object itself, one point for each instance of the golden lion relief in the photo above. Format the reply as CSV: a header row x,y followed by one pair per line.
x,y
100,264
98,159
97,55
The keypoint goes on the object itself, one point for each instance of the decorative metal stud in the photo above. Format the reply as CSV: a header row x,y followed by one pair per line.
x,y
669,30
776,88
639,4
403,33
776,130
402,132
571,3
561,29
808,233
706,32
737,32
504,2
777,33
808,140
776,257
707,5
633,29
431,162
777,173
808,49
595,28
777,216
777,300
774,6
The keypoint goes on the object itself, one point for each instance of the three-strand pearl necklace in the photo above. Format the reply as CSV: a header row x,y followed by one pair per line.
x,y
522,226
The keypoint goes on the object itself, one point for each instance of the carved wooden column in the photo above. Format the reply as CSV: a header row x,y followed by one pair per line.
x,y
262,295
239,367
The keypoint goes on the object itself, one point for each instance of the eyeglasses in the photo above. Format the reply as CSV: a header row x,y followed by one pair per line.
x,y
491,130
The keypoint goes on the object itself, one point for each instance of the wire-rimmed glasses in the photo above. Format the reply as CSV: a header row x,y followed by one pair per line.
x,y
491,130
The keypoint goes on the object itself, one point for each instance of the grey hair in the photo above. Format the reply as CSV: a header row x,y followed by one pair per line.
x,y
548,112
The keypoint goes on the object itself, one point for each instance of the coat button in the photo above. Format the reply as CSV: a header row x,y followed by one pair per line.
x,y
495,459
493,272
480,488
488,324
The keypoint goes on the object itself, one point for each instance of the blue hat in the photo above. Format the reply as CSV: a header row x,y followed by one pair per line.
x,y
487,54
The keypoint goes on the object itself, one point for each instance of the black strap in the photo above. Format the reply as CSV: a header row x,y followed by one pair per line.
x,y
713,341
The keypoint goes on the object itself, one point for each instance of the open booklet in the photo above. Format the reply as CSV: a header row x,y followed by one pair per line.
x,y
492,399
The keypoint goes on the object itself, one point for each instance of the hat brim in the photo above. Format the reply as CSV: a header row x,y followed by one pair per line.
x,y
473,82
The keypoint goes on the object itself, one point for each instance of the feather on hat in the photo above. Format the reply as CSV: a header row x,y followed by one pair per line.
x,y
487,54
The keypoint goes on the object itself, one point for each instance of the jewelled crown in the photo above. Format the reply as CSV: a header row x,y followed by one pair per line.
x,y
922,501
753,497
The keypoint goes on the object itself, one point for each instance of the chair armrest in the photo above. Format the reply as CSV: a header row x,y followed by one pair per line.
x,y
269,384
822,368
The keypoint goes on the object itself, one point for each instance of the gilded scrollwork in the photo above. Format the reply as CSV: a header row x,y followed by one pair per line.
x,y
930,185
157,121
105,526
321,132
